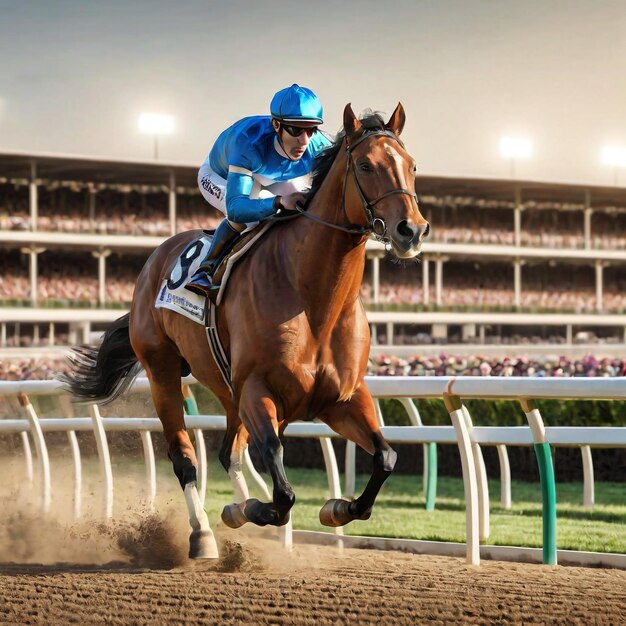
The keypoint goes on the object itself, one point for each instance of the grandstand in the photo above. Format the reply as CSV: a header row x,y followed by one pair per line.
x,y
511,264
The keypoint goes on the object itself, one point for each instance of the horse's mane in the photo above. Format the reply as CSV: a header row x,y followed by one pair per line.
x,y
370,120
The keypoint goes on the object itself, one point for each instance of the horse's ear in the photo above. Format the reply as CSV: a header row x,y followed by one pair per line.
x,y
351,124
396,121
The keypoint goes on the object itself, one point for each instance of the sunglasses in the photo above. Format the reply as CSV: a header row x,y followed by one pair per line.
x,y
296,131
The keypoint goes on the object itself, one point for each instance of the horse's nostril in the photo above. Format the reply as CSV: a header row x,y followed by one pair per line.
x,y
405,230
426,231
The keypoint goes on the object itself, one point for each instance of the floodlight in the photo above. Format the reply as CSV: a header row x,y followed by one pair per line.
x,y
156,124
614,155
515,148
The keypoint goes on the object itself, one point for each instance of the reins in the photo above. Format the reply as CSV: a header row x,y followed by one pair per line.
x,y
375,225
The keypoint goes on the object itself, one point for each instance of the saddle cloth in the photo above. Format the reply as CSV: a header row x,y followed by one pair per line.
x,y
173,295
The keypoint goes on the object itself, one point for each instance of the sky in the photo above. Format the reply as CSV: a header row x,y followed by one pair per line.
x,y
75,75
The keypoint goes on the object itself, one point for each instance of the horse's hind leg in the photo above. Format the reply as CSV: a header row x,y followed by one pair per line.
x,y
163,369
356,420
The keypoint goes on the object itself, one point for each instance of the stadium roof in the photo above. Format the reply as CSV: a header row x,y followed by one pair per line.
x,y
504,190
96,169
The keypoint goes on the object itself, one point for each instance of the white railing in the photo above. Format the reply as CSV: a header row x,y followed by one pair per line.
x,y
469,439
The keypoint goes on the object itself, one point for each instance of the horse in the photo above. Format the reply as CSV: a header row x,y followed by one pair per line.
x,y
292,324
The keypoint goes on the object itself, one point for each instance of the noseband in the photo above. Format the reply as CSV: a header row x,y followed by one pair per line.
x,y
375,225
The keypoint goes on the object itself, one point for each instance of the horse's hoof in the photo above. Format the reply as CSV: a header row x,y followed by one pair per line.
x,y
233,515
282,521
202,545
336,513
260,513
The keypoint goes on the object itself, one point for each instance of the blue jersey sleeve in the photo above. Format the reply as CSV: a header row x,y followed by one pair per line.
x,y
240,207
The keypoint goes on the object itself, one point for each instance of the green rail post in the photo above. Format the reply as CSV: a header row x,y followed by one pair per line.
x,y
430,456
189,401
431,481
548,494
546,477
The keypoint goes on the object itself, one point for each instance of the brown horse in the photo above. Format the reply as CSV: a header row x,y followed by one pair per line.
x,y
293,326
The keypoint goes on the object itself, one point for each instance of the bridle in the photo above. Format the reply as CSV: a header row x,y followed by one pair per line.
x,y
375,225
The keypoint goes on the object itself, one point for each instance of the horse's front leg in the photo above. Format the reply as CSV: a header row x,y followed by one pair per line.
x,y
356,420
231,455
258,413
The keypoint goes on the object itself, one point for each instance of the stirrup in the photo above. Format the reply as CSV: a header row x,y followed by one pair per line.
x,y
200,283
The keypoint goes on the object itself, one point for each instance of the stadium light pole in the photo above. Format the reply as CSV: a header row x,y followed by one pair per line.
x,y
156,124
513,148
615,156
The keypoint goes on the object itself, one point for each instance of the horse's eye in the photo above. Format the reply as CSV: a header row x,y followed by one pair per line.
x,y
365,167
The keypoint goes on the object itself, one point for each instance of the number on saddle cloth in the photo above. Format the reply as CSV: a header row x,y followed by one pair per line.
x,y
180,271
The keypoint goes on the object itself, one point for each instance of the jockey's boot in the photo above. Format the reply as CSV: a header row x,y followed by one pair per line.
x,y
223,239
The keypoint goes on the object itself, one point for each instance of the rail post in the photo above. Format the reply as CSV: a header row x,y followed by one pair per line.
x,y
588,484
66,409
429,465
505,476
481,481
546,477
42,451
332,474
350,464
455,410
148,454
105,460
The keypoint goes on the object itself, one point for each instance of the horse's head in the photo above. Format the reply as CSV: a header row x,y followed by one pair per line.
x,y
380,182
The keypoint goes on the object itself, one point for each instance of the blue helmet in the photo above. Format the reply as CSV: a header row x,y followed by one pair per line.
x,y
296,104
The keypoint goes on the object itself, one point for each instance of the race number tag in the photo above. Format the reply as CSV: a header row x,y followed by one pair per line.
x,y
173,294
180,272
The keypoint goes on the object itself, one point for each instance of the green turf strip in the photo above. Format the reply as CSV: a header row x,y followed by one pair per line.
x,y
400,511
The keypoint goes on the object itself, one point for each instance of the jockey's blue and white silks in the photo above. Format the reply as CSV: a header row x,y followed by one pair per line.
x,y
248,157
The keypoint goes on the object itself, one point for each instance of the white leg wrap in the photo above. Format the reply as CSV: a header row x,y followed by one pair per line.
x,y
202,544
235,472
197,515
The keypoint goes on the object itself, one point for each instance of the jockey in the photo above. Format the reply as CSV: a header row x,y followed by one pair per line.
x,y
258,166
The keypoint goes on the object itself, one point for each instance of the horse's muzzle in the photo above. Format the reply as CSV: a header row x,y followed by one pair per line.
x,y
407,238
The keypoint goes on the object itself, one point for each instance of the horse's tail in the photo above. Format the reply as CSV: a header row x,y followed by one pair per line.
x,y
100,375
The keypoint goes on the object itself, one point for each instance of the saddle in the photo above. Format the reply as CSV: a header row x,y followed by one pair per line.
x,y
231,256
174,296
242,244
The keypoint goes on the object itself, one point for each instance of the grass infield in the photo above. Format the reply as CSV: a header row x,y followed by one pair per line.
x,y
400,513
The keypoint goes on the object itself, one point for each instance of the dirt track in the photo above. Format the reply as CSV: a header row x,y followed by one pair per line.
x,y
134,570
312,586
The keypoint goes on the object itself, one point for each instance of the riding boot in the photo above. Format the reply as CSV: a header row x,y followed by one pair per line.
x,y
223,239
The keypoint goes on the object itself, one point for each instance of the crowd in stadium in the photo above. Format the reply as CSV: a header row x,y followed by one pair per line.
x,y
113,213
69,277
476,365
442,365
30,369
72,279
490,286
541,239
132,213
575,300
540,227
156,223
